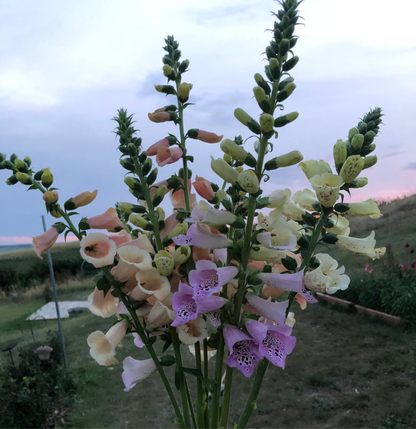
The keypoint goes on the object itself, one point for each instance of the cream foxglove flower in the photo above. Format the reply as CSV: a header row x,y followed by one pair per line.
x,y
102,306
305,199
103,347
152,283
326,278
193,331
312,167
278,198
327,188
341,225
292,211
98,249
360,246
365,208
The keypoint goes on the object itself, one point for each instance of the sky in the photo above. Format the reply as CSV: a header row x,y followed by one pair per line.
x,y
66,67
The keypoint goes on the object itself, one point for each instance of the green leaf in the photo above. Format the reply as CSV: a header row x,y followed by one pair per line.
x,y
178,377
167,345
192,371
73,213
151,341
167,360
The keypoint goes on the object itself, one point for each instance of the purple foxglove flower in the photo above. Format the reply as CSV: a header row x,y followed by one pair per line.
x,y
136,370
208,279
274,311
187,308
214,318
197,236
275,342
290,282
244,351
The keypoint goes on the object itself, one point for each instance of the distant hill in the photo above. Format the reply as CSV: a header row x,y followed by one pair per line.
x,y
14,248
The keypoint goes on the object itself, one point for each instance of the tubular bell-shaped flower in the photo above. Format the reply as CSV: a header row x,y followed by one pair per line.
x,y
45,241
98,249
193,331
204,213
166,155
312,167
187,308
359,246
270,310
327,187
207,279
100,305
244,351
198,236
203,188
365,208
106,220
155,147
275,341
152,283
305,199
136,370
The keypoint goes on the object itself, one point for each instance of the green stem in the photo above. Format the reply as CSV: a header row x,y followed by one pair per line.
x,y
251,403
150,349
200,403
151,210
206,376
188,394
184,386
217,387
227,397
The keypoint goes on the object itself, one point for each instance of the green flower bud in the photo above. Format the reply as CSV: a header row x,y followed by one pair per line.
x,y
369,136
281,121
160,194
50,197
351,133
46,178
38,175
20,165
2,157
249,181
286,160
181,255
178,229
131,208
224,170
266,122
227,158
12,180
222,195
261,98
165,89
352,168
152,177
127,164
262,83
360,182
164,262
139,221
161,215
287,91
133,183
184,65
357,142
247,120
23,178
147,165
340,152
183,92
284,47
55,213
274,68
366,150
288,65
369,161
234,150
169,72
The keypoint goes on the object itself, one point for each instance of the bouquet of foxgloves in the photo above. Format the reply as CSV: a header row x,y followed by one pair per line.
x,y
220,276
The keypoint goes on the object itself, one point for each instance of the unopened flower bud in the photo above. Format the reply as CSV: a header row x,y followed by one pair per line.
x,y
233,149
12,180
2,157
352,132
266,122
360,182
181,255
281,121
183,92
164,262
224,170
249,181
239,169
274,68
169,72
352,168
55,214
290,64
165,89
178,229
222,195
50,197
183,66
19,164
286,160
160,194
369,136
286,92
27,160
262,83
247,120
133,183
340,152
131,208
261,98
357,141
139,221
23,178
161,215
46,178
227,158
369,161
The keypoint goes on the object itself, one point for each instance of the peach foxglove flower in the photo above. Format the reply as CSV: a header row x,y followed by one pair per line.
x,y
187,308
305,199
84,199
203,188
131,259
312,167
121,237
160,315
167,155
136,370
106,220
151,282
207,279
98,249
207,137
275,342
197,236
159,117
103,306
244,351
45,241
103,347
193,331
155,147
365,208
327,188
141,242
326,278
359,246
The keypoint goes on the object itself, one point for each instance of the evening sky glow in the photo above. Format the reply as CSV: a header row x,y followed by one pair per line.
x,y
66,67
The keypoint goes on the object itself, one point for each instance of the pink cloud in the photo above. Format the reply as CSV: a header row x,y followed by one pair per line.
x,y
10,241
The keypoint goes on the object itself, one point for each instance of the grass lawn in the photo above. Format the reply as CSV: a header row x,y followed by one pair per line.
x,y
346,371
